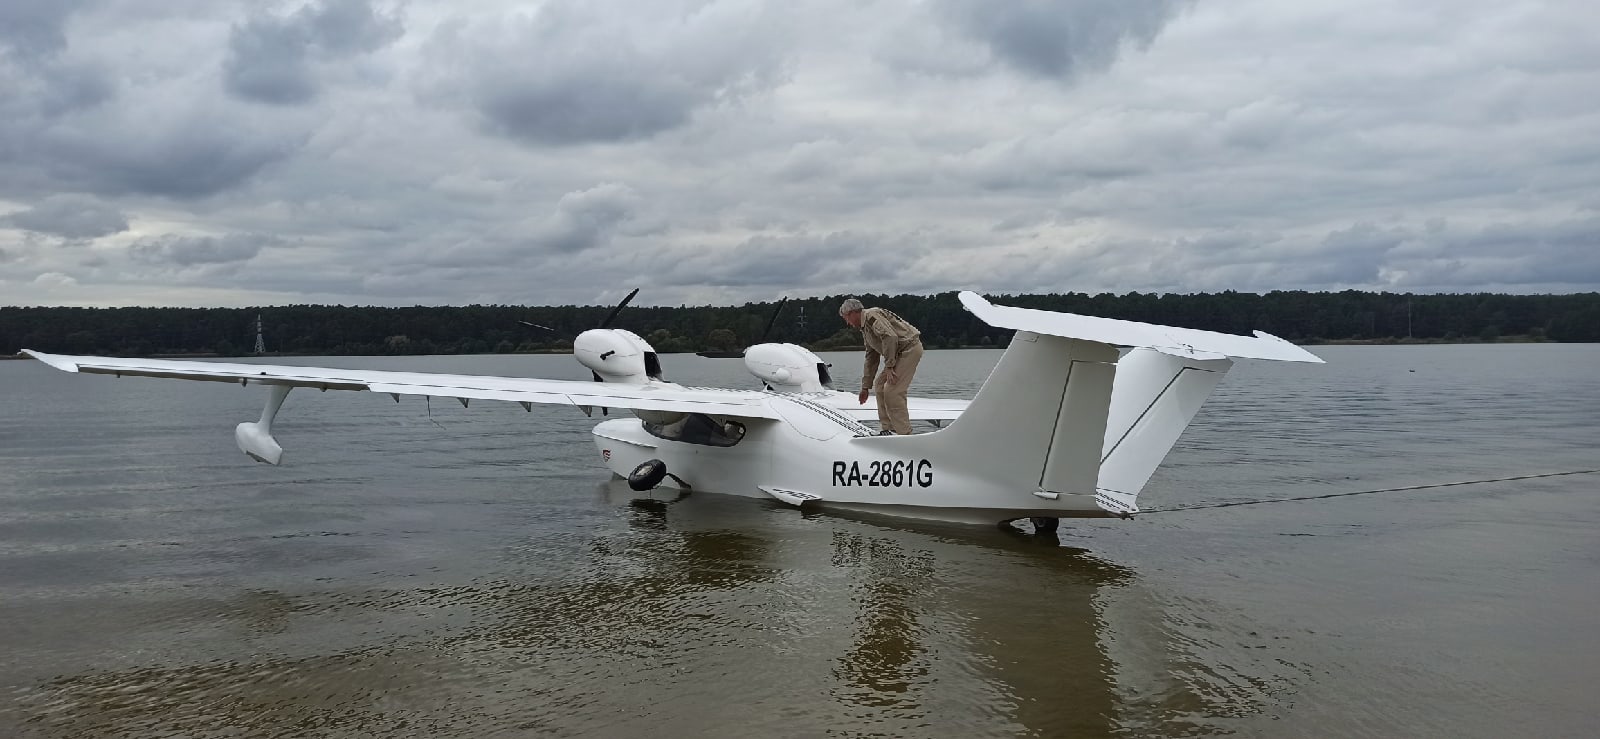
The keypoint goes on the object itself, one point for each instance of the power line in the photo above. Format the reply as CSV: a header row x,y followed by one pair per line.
x,y
1364,492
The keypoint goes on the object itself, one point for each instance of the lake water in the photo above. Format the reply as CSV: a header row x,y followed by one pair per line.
x,y
428,570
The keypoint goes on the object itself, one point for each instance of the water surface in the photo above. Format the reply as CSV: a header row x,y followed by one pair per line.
x,y
429,570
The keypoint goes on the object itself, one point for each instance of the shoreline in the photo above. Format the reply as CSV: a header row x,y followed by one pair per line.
x,y
1326,342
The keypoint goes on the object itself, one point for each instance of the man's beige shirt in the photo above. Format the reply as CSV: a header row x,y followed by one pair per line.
x,y
887,335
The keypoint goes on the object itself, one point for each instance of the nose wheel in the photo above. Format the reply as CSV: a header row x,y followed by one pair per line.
x,y
650,473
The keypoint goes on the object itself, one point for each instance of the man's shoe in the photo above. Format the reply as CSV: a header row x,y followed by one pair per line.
x,y
886,432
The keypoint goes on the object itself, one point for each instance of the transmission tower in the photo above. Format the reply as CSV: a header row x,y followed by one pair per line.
x,y
261,345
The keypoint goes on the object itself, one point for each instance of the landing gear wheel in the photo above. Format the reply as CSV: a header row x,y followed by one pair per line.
x,y
1043,525
647,475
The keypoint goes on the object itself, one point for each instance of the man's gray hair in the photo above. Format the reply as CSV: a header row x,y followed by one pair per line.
x,y
850,305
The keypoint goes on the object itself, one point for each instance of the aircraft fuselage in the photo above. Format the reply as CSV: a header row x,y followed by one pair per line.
x,y
812,453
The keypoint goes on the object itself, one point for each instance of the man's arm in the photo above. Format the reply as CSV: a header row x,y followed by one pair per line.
x,y
869,370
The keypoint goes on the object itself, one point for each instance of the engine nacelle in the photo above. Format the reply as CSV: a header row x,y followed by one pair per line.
x,y
787,367
617,355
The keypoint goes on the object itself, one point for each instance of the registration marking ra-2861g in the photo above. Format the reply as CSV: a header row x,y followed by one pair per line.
x,y
886,473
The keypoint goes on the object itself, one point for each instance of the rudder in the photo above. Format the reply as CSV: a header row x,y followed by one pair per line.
x,y
1154,398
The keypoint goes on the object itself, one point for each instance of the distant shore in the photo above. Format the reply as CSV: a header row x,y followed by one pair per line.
x,y
1320,342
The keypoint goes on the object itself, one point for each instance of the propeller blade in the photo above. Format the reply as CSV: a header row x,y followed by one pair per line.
x,y
772,320
535,325
614,311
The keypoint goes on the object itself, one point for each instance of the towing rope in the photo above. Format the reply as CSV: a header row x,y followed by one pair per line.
x,y
1364,492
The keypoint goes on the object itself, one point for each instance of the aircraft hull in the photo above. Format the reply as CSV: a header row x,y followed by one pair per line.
x,y
874,475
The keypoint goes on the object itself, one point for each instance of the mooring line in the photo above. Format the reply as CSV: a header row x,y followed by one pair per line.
x,y
1364,492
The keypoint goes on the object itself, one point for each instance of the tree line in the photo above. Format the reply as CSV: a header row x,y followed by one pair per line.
x,y
1304,317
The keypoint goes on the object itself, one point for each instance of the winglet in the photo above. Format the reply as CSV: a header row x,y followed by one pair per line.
x,y
65,364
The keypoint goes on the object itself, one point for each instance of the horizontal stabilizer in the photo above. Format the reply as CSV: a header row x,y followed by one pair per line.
x,y
1182,342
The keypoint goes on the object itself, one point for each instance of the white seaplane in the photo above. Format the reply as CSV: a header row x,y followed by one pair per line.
x,y
1066,425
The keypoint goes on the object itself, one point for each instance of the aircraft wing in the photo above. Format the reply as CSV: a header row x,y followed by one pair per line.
x,y
526,390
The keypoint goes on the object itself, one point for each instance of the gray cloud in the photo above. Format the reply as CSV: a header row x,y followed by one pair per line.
x,y
267,62
602,105
579,72
767,261
271,59
33,28
425,151
1504,254
189,251
1057,39
194,159
586,218
71,217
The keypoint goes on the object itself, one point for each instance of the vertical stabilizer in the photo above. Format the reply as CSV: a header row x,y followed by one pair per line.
x,y
1038,420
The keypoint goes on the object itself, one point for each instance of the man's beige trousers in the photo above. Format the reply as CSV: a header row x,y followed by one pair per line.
x,y
892,413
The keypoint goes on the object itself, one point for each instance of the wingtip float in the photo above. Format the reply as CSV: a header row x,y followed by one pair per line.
x,y
1065,426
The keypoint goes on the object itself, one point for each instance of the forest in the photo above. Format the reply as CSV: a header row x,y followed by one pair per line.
x,y
1302,317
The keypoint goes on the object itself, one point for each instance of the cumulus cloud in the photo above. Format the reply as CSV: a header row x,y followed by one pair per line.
x,y
585,218
272,59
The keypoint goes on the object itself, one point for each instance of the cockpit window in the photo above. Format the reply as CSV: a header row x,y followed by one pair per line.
x,y
698,428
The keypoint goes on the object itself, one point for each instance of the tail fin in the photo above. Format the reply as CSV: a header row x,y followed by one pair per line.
x,y
1060,394
1038,421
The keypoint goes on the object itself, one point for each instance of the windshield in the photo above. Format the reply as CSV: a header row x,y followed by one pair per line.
x,y
698,428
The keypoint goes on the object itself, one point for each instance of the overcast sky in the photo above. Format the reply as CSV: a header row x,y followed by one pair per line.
x,y
241,152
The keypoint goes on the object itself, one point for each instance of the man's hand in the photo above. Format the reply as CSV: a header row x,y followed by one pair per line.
x,y
890,377
862,397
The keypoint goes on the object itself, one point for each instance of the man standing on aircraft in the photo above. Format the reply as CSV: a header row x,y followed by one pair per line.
x,y
899,343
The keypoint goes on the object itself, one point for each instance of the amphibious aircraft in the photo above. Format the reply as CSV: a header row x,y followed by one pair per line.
x,y
1072,421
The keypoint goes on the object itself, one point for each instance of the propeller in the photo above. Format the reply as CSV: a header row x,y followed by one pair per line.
x,y
603,324
614,311
739,353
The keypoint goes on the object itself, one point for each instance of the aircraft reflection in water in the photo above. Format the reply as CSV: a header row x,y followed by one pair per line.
x,y
1062,643
709,615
